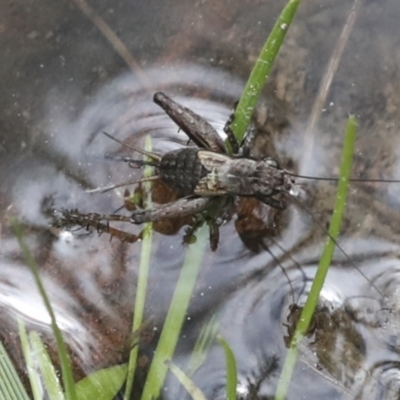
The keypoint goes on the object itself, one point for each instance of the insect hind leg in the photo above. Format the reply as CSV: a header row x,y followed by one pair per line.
x,y
92,221
198,129
184,207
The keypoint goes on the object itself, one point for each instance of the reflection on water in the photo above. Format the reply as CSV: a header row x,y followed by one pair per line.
x,y
254,284
91,281
348,340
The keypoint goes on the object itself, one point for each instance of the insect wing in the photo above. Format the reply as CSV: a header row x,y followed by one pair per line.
x,y
217,166
211,160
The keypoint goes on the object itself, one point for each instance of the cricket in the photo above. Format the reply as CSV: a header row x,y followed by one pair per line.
x,y
208,179
205,176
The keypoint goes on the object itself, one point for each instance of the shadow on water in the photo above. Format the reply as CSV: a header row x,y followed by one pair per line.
x,y
261,269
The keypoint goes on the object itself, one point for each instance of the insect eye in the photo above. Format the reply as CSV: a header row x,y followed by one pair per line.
x,y
272,162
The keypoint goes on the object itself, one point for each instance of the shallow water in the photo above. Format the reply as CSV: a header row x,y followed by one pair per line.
x,y
61,92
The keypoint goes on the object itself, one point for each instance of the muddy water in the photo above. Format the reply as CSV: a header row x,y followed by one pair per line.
x,y
64,84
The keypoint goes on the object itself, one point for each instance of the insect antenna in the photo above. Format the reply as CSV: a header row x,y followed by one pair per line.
x,y
357,180
126,183
139,163
296,263
150,154
337,179
335,242
276,259
130,160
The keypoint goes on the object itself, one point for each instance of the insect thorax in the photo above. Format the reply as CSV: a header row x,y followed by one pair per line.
x,y
239,176
182,170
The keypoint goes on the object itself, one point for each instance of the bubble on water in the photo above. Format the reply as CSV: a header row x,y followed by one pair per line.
x,y
66,237
242,389
294,191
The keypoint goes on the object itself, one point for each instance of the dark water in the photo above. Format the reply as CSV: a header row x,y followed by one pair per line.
x,y
63,84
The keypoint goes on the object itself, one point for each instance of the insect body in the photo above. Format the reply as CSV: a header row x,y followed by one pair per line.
x,y
203,174
198,172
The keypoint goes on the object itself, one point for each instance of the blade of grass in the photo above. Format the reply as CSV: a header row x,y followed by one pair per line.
x,y
261,70
327,79
203,343
186,382
11,387
175,316
48,372
141,290
231,369
325,261
103,384
33,375
66,370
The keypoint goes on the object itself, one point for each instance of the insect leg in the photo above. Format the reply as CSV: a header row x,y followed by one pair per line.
x,y
214,236
189,236
154,156
248,141
126,183
87,221
199,130
132,161
119,234
219,212
279,203
231,136
180,208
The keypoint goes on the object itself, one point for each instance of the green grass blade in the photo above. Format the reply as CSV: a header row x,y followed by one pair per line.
x,y
33,375
261,70
325,261
46,367
186,382
11,387
66,370
203,343
231,369
141,290
103,384
176,315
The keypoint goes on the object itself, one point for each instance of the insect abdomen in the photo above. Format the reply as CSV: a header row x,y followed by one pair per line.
x,y
182,170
